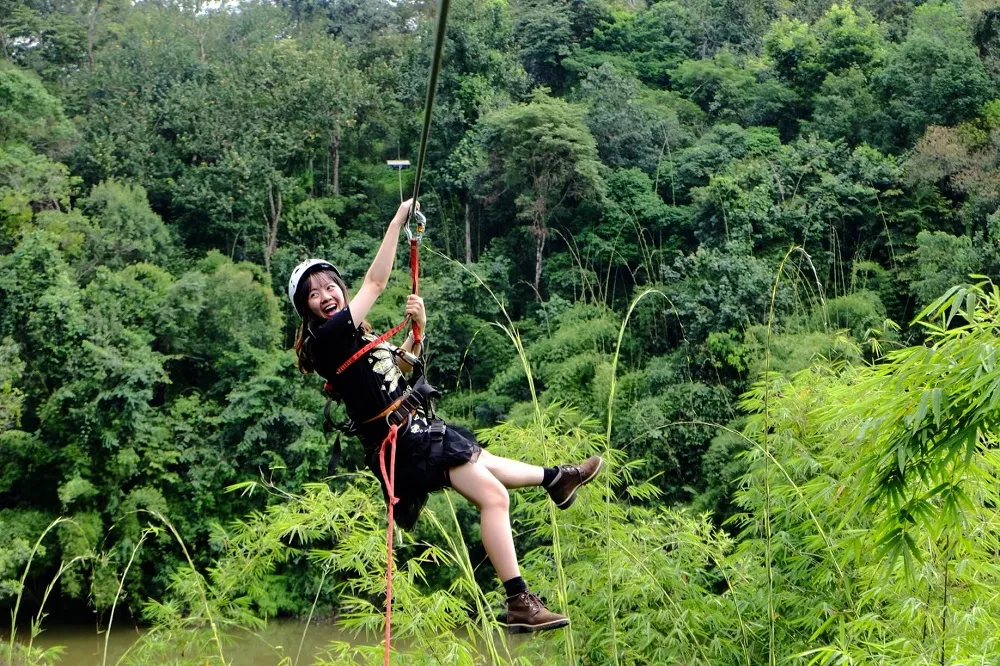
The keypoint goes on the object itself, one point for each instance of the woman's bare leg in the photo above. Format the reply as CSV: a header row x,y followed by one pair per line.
x,y
512,473
478,485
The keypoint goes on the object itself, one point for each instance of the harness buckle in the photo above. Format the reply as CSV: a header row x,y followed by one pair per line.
x,y
408,404
398,416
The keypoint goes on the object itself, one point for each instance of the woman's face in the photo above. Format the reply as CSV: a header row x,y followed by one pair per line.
x,y
325,295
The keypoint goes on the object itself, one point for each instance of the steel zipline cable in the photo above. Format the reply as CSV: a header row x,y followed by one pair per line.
x,y
442,24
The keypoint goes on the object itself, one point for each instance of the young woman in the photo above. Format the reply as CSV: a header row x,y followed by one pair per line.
x,y
430,455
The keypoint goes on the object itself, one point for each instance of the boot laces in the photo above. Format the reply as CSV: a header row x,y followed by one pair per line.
x,y
574,472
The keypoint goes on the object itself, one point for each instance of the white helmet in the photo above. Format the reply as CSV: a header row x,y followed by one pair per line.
x,y
301,271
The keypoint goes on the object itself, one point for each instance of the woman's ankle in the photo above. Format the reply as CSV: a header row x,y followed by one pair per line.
x,y
514,586
549,475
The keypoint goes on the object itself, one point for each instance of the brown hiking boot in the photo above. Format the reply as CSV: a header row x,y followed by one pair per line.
x,y
570,478
526,613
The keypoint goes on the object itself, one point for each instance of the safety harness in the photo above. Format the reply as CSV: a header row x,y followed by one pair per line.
x,y
417,380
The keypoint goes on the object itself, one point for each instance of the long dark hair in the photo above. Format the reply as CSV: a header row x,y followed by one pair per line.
x,y
305,338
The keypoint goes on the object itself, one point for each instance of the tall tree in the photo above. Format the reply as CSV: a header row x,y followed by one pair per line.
x,y
548,157
934,77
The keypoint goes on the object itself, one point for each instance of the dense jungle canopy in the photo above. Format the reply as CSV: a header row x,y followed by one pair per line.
x,y
743,248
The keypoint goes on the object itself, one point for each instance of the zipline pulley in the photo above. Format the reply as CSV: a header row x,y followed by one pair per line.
x,y
421,224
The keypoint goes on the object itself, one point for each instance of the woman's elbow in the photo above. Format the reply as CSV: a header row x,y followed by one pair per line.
x,y
377,285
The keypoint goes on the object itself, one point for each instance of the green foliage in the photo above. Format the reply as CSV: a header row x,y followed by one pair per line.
x,y
11,398
933,77
733,91
20,529
794,53
544,31
29,114
940,261
719,151
843,39
626,131
29,182
650,43
715,290
858,313
128,231
549,157
844,107
929,461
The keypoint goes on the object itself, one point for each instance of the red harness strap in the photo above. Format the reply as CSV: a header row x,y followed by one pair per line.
x,y
415,282
374,343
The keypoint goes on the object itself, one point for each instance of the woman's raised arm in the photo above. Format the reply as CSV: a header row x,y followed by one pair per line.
x,y
381,268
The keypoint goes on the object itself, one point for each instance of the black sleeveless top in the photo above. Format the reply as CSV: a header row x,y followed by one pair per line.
x,y
368,385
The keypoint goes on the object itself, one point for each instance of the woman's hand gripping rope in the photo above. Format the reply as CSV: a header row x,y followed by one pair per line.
x,y
415,311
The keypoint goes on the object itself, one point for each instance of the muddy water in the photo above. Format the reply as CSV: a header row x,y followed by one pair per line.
x,y
84,646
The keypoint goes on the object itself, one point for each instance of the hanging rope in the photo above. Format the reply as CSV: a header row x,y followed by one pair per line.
x,y
390,483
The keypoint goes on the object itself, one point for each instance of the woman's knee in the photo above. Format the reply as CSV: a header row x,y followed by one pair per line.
x,y
495,497
480,487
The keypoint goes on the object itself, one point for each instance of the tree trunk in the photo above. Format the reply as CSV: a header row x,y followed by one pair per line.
x,y
540,232
335,152
199,34
468,234
91,37
275,219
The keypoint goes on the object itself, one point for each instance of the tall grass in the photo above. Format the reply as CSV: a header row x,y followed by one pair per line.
x,y
24,576
510,329
867,532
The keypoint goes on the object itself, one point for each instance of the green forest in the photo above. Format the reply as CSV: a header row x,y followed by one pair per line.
x,y
743,249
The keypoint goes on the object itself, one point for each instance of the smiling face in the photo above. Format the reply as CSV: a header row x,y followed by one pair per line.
x,y
325,296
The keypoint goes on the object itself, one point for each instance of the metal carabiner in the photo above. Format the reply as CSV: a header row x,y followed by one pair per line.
x,y
421,226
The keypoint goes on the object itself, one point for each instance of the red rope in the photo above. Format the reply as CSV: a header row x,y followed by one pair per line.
x,y
390,481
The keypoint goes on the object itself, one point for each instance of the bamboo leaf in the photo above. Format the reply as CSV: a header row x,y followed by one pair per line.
x,y
918,418
936,394
956,305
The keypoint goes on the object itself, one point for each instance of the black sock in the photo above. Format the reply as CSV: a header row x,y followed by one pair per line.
x,y
549,475
514,586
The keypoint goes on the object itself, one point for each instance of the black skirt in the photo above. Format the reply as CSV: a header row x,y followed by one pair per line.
x,y
423,462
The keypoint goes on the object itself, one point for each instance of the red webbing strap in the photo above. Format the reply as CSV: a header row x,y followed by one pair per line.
x,y
389,477
374,343
415,281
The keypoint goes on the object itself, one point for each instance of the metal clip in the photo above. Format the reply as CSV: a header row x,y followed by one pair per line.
x,y
421,226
